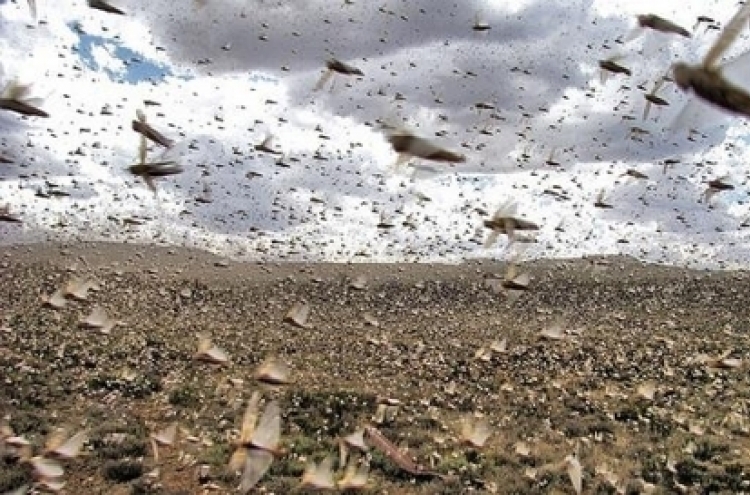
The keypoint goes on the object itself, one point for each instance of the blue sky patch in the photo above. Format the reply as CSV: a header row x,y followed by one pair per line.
x,y
137,67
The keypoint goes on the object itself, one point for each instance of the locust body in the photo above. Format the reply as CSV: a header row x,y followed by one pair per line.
x,y
710,85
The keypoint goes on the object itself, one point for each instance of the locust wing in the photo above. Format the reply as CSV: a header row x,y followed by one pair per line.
x,y
105,7
327,75
250,418
268,430
737,70
728,36
257,463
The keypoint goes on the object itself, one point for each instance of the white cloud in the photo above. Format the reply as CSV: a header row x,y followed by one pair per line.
x,y
217,111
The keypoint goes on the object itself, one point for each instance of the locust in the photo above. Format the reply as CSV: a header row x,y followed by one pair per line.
x,y
266,146
7,216
15,98
150,170
703,19
661,24
707,80
409,146
551,160
400,458
258,443
142,127
610,65
505,221
105,7
480,25
653,98
335,66
716,186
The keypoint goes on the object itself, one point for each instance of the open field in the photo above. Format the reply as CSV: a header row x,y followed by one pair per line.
x,y
647,385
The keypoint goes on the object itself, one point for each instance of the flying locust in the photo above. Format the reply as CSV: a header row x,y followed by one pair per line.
x,y
150,170
707,80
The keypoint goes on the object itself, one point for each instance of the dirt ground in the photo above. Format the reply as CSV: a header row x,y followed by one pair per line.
x,y
641,374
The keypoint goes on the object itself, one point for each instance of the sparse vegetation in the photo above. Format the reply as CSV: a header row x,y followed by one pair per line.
x,y
184,397
708,450
140,387
551,395
122,471
215,455
12,476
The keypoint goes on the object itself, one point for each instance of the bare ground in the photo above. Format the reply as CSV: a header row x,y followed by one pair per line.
x,y
629,326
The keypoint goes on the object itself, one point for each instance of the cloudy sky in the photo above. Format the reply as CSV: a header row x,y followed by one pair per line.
x,y
227,73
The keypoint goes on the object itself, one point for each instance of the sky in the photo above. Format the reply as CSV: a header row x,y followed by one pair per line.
x,y
222,76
